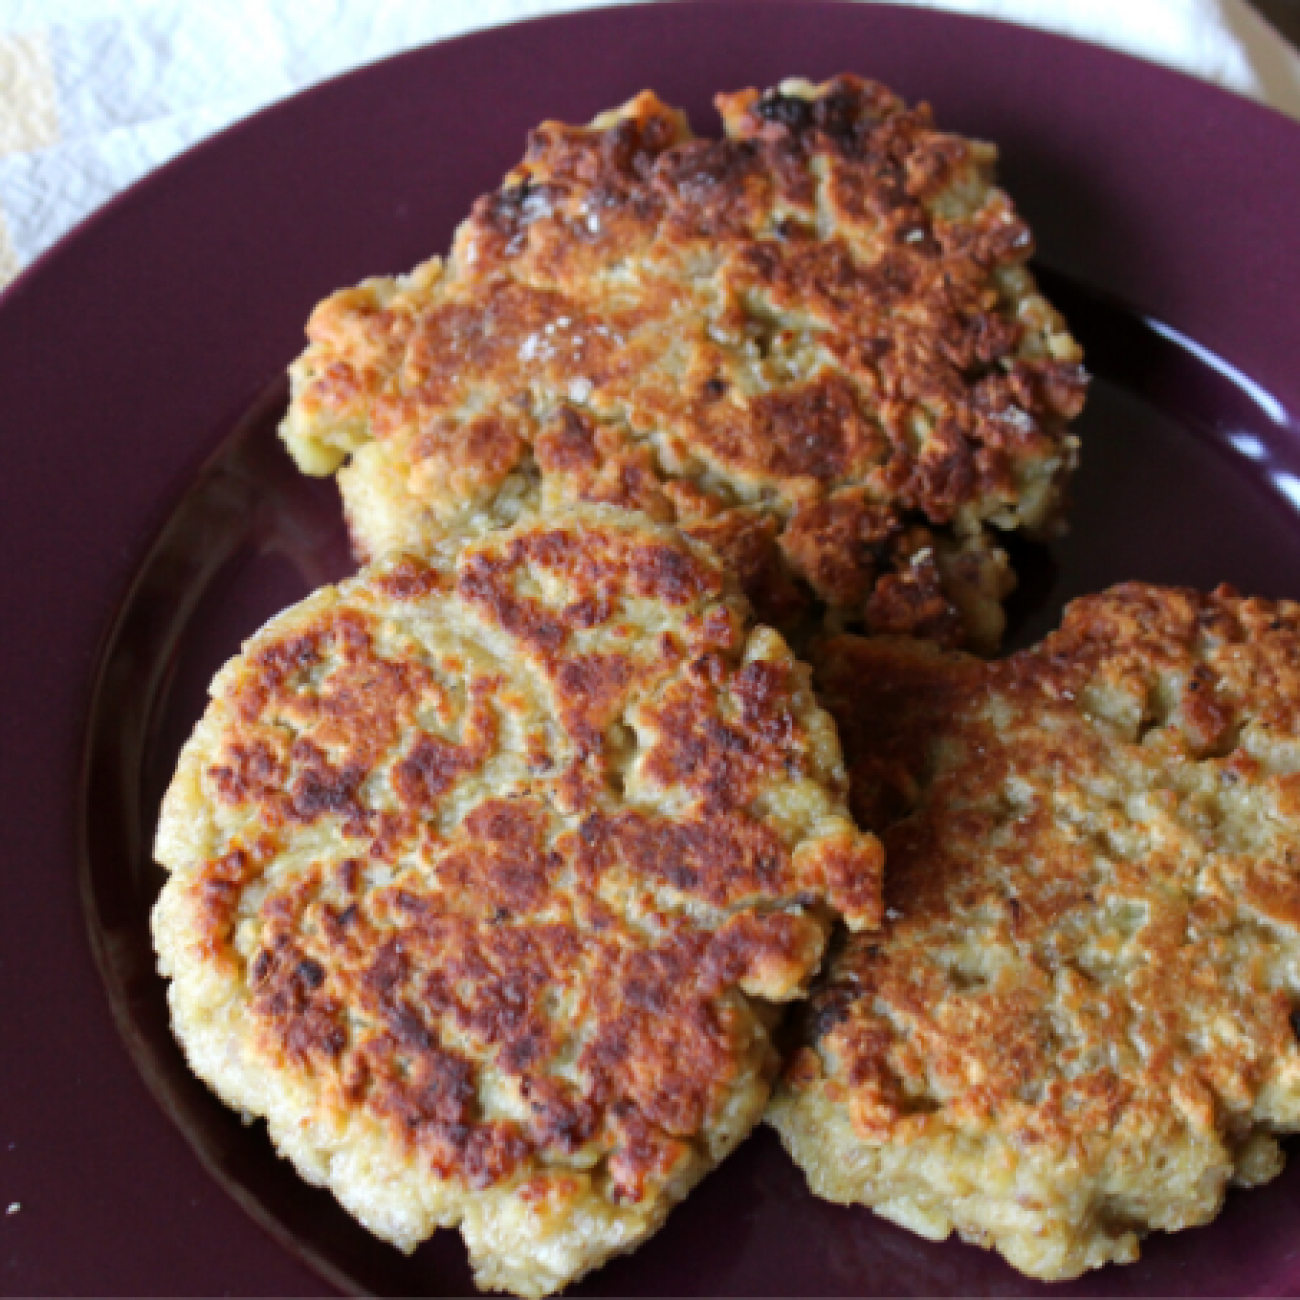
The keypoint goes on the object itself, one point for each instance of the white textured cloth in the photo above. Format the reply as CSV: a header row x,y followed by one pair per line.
x,y
94,93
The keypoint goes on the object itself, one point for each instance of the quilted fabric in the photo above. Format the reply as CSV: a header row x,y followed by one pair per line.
x,y
94,93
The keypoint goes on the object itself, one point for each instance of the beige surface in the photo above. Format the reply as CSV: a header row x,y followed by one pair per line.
x,y
29,115
9,264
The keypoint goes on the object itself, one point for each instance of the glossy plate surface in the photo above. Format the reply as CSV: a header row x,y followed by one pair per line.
x,y
151,522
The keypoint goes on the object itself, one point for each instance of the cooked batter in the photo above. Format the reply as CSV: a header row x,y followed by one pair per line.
x,y
814,343
489,870
1080,1023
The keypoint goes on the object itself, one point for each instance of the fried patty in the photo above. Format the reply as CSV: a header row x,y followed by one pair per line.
x,y
1080,1023
488,870
814,343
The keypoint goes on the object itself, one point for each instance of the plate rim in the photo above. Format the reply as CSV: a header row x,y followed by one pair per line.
x,y
47,266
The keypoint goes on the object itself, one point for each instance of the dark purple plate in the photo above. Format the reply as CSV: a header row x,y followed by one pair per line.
x,y
150,521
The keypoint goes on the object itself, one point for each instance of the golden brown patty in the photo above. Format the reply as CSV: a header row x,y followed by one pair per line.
x,y
1079,1024
814,343
486,871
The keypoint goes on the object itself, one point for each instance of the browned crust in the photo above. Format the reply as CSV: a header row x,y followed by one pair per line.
x,y
1094,903
538,930
824,315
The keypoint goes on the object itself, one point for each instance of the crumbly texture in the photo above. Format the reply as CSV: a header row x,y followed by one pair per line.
x,y
488,872
813,343
1080,1023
